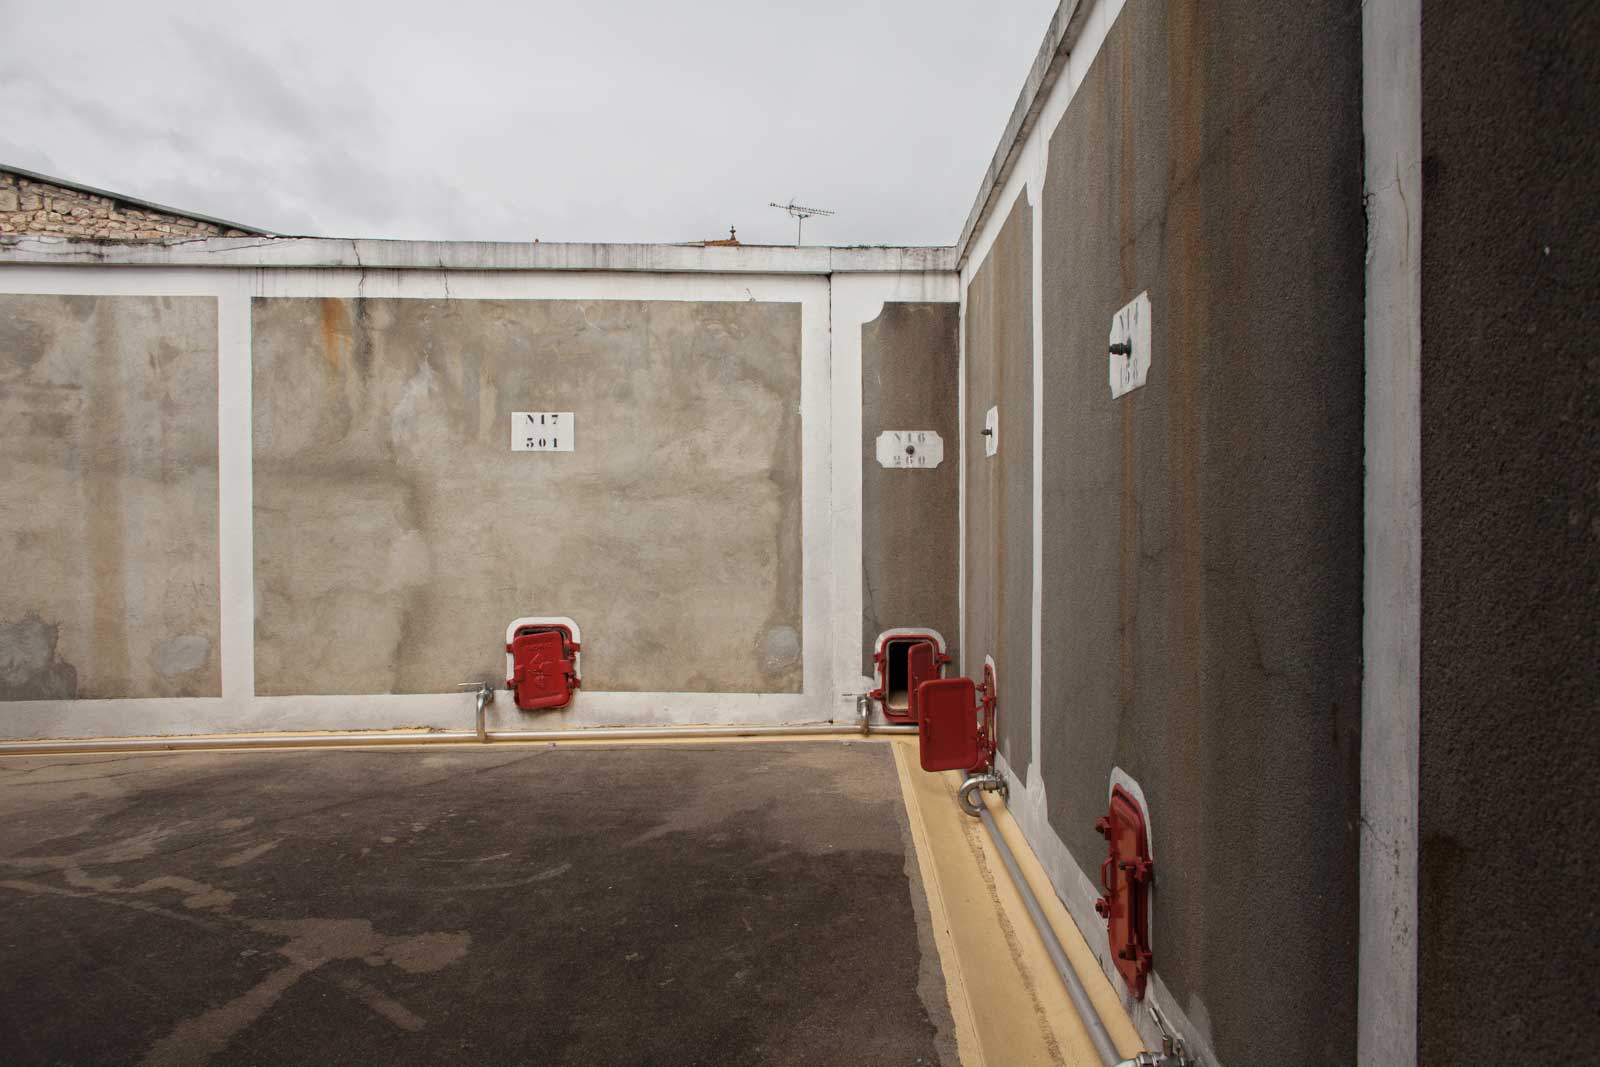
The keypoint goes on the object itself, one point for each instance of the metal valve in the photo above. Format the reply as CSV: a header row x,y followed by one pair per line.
x,y
1172,1053
485,697
1169,1056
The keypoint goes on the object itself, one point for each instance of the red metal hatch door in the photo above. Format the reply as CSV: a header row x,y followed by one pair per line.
x,y
948,734
544,675
922,665
1126,876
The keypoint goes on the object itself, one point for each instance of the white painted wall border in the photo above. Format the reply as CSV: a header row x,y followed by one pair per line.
x,y
239,709
1391,119
235,498
857,299
1091,21
1027,178
963,643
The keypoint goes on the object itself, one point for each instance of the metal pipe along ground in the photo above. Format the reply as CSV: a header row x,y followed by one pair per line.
x,y
1098,1034
439,737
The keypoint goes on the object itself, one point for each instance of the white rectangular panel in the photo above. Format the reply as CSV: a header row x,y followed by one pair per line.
x,y
1130,328
542,431
910,449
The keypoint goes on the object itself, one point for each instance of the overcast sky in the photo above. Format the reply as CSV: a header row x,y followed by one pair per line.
x,y
585,120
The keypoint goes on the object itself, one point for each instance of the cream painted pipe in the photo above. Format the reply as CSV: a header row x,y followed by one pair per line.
x,y
440,737
1101,1038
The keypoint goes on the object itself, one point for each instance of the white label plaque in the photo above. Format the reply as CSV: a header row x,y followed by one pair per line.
x,y
991,432
1130,328
910,449
542,431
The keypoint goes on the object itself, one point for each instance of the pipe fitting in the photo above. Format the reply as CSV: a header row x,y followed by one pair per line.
x,y
967,797
864,714
1159,1059
1172,1054
485,698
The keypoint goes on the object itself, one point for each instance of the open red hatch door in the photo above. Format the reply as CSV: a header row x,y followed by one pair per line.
x,y
903,659
948,735
922,665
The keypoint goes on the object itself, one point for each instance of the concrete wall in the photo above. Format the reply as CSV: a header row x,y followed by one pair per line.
x,y
371,532
909,535
1510,532
108,506
1200,558
396,534
998,567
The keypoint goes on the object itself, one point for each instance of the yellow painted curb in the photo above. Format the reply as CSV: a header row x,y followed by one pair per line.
x,y
1103,994
968,1046
1009,1005
400,741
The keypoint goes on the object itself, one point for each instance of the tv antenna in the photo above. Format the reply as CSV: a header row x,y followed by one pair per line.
x,y
800,214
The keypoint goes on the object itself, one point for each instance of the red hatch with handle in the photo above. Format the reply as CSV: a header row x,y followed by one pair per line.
x,y
947,737
922,665
1126,876
956,728
544,673
902,661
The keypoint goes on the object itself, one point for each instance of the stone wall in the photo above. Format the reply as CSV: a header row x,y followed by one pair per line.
x,y
29,206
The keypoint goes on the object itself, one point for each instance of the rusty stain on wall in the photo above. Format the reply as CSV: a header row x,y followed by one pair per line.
x,y
335,331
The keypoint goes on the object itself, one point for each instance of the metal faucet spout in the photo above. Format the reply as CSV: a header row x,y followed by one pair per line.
x,y
485,698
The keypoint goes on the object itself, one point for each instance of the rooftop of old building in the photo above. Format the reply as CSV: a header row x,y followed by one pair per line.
x,y
23,178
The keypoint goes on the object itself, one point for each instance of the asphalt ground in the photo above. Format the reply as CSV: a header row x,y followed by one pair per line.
x,y
504,904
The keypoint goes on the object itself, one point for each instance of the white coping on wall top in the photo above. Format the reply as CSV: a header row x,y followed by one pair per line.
x,y
362,254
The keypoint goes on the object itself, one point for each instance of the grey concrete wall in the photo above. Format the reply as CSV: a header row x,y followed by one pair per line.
x,y
1510,749
396,534
909,533
1203,534
999,543
108,506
